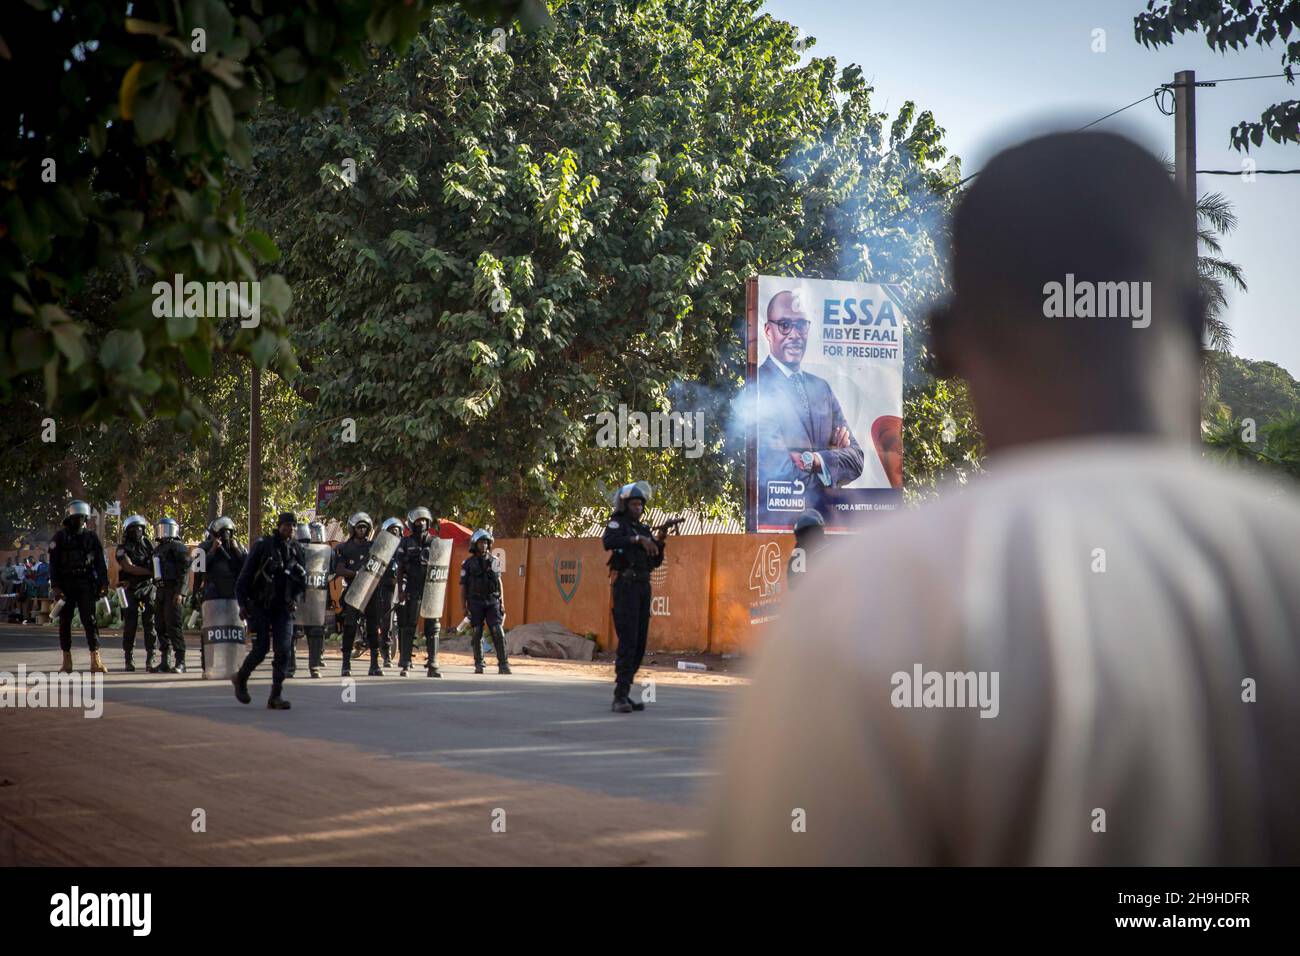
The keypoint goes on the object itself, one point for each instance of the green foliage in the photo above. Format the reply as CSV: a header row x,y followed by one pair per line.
x,y
1233,24
490,246
1274,448
119,117
1261,391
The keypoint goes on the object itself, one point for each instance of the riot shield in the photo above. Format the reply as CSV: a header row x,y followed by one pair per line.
x,y
311,609
223,638
435,581
382,549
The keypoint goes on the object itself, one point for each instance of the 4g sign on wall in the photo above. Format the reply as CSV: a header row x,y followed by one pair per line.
x,y
765,575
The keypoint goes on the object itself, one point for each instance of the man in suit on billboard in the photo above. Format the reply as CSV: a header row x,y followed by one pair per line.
x,y
802,432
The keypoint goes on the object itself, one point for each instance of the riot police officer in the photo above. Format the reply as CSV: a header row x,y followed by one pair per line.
x,y
482,599
809,538
635,552
269,586
379,612
223,560
171,561
318,559
413,561
78,575
135,572
350,557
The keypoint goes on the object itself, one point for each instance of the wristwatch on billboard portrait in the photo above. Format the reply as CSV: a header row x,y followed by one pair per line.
x,y
808,460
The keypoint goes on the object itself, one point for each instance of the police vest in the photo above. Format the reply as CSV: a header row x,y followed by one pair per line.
x,y
140,553
481,579
173,561
76,555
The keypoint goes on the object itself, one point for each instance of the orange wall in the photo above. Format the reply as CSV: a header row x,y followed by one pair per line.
x,y
713,593
749,572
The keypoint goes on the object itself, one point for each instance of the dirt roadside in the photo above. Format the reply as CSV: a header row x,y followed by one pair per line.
x,y
122,790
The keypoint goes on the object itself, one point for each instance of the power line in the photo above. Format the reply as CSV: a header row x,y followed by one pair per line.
x,y
1263,76
1244,172
1118,111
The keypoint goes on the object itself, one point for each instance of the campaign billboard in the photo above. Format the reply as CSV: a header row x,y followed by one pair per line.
x,y
825,376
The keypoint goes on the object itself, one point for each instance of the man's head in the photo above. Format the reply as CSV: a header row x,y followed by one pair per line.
x,y
1076,308
360,523
134,527
286,524
420,519
223,529
786,329
75,515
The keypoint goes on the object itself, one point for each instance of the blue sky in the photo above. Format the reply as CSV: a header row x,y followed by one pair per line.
x,y
995,72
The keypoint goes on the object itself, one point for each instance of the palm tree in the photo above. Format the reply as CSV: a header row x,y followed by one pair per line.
x,y
1214,219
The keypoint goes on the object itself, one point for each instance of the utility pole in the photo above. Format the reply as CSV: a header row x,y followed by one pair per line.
x,y
1185,132
254,453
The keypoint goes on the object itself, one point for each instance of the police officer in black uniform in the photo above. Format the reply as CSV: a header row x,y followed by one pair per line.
x,y
171,566
413,562
79,575
379,612
135,573
809,538
482,599
269,586
350,557
223,560
635,552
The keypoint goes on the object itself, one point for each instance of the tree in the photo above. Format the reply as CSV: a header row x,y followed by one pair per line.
x,y
1233,24
491,243
119,118
1261,391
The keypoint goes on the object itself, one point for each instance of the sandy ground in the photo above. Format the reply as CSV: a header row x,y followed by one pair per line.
x,y
277,800
122,790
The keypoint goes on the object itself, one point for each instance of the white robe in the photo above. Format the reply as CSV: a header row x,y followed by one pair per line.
x,y
1119,691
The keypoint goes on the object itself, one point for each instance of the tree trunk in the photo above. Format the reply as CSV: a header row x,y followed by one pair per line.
x,y
511,507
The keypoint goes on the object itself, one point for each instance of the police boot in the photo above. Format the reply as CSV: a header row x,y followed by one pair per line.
x,y
478,667
166,666
374,665
97,663
503,668
622,705
66,666
432,671
240,680
277,703
128,661
151,662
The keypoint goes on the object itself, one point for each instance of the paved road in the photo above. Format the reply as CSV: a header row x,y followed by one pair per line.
x,y
528,725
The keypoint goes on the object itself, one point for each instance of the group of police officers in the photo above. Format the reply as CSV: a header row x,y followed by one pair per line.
x,y
281,587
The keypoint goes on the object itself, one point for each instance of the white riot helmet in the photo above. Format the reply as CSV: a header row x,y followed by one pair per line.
x,y
302,532
638,489
221,524
479,535
77,508
360,518
168,528
392,524
134,520
316,532
415,514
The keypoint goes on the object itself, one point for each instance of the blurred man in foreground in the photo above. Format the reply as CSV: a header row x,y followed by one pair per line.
x,y
1091,655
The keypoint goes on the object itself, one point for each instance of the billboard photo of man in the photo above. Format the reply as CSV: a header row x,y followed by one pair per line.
x,y
829,381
